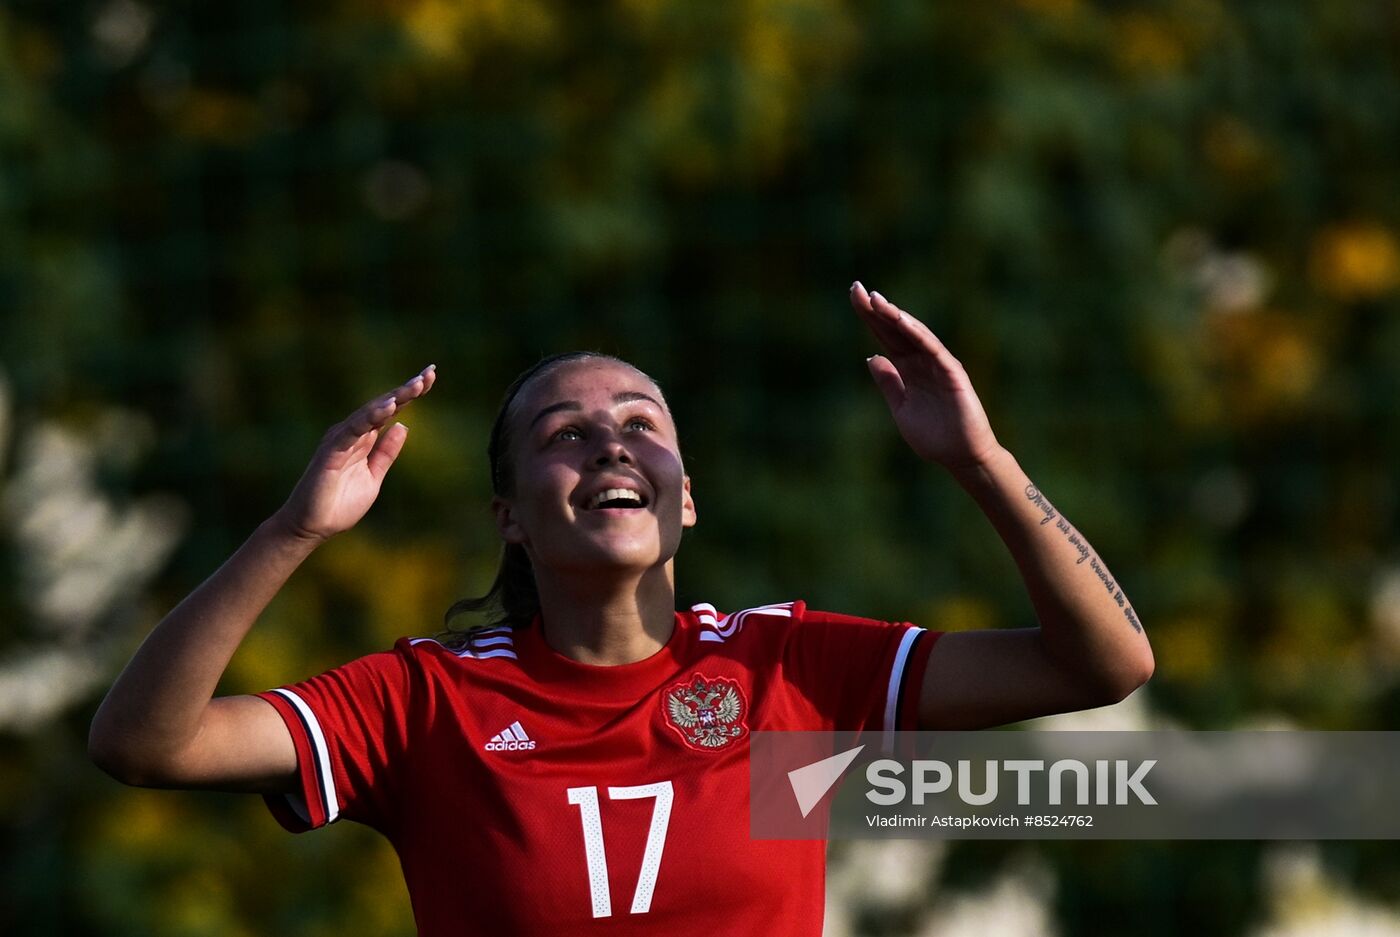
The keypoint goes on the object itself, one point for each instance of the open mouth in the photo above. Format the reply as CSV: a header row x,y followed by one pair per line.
x,y
622,498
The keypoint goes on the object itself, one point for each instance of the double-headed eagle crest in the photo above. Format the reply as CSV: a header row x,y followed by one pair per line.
x,y
708,713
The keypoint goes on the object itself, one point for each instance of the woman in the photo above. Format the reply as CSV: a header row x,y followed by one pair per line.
x,y
584,764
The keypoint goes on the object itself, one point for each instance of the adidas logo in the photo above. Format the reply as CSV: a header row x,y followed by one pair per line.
x,y
512,738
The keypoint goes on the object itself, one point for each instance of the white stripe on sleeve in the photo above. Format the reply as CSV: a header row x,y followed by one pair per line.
x,y
901,658
322,752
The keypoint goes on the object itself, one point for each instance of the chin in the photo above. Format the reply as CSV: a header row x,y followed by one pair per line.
x,y
637,560
602,556
621,557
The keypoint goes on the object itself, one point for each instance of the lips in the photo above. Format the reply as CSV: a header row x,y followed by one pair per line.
x,y
616,494
616,498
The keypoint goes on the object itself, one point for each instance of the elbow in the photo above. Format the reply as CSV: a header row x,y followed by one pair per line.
x,y
1129,676
110,760
1114,678
115,756
104,752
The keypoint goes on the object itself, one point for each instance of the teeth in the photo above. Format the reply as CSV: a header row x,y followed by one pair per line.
x,y
612,493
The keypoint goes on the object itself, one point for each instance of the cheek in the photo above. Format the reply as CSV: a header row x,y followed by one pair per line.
x,y
542,487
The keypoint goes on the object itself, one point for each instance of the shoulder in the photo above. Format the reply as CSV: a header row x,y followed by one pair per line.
x,y
478,644
419,660
721,627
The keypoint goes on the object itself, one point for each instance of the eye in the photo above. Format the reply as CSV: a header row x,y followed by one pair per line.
x,y
641,421
567,433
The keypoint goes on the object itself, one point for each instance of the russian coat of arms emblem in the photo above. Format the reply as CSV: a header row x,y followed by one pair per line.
x,y
707,712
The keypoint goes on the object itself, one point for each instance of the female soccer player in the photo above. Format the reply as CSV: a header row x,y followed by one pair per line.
x,y
582,766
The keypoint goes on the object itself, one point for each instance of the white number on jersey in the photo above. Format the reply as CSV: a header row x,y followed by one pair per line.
x,y
586,798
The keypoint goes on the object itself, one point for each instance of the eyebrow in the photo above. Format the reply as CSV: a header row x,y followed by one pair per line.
x,y
625,396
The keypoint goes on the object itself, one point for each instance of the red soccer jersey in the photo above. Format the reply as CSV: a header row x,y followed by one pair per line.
x,y
528,793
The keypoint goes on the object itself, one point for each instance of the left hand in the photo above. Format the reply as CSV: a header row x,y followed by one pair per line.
x,y
928,392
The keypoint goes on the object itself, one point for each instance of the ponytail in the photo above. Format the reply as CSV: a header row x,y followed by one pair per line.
x,y
513,596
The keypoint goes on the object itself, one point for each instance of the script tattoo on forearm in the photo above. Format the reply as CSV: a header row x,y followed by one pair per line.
x,y
1034,496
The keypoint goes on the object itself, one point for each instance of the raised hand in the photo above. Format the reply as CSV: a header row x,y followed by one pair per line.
x,y
928,392
344,476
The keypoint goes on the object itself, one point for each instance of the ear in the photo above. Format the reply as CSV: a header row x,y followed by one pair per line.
x,y
688,516
506,524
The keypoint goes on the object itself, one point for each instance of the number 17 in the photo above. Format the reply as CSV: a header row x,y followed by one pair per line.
x,y
587,800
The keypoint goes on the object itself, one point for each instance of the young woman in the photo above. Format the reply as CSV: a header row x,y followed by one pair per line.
x,y
582,765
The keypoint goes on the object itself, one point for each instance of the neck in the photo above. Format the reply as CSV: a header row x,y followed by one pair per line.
x,y
600,620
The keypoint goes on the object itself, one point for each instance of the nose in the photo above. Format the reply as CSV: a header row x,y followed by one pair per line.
x,y
612,449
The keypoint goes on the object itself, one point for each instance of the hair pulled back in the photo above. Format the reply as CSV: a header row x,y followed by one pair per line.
x,y
513,600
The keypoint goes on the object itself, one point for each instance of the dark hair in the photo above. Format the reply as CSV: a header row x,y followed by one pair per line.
x,y
512,600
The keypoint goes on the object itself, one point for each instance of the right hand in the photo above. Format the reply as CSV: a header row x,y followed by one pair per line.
x,y
344,476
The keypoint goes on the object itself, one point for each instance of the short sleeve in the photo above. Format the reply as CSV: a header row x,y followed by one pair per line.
x,y
861,674
350,729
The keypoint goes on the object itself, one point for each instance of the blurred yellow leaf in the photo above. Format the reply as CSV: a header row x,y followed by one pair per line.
x,y
1146,45
1189,649
1267,363
959,613
405,586
380,902
1360,260
140,821
269,656
450,30
436,26
198,902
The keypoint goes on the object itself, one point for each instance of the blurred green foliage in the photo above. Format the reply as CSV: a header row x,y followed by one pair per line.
x,y
1162,237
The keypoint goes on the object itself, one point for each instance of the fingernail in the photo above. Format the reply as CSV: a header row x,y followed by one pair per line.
x,y
879,297
854,285
870,359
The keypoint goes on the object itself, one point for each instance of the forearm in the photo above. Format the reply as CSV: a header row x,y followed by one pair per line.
x,y
155,707
1087,624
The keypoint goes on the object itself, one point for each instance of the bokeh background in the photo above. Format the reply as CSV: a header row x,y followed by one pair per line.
x,y
1162,237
